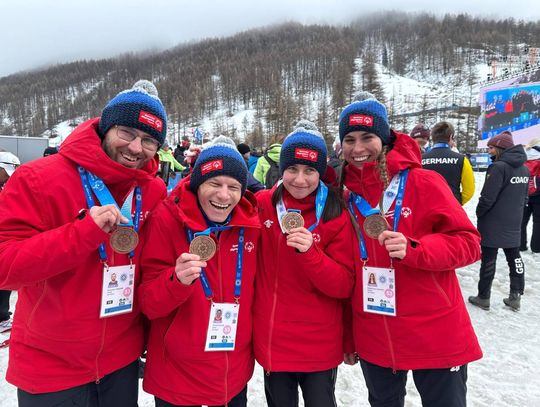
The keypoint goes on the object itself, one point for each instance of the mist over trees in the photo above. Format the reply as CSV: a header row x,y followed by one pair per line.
x,y
281,73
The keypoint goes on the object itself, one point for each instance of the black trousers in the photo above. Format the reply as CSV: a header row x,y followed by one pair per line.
x,y
120,388
488,267
318,388
437,387
240,400
4,305
532,209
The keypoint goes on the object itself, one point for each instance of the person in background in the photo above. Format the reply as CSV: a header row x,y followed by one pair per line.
x,y
191,155
179,150
8,164
269,163
251,159
454,167
252,184
165,155
304,273
49,151
412,236
62,234
532,208
420,134
500,212
193,359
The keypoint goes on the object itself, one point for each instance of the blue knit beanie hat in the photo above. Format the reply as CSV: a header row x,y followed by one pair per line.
x,y
305,145
365,114
220,158
138,107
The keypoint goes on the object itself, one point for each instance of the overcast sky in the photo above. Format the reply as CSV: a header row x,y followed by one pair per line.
x,y
35,33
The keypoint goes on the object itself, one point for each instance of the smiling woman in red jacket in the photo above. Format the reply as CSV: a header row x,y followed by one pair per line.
x,y
414,235
305,269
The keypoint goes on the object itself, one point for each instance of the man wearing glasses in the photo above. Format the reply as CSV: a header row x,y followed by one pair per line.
x,y
67,223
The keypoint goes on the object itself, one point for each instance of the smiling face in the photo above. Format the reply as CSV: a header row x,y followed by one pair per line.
x,y
300,180
360,147
218,196
130,154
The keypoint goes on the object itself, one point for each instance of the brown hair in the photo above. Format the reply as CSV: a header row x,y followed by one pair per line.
x,y
442,132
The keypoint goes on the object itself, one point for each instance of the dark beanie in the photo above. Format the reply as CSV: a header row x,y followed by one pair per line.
x,y
365,115
420,130
139,108
503,140
220,158
243,148
304,146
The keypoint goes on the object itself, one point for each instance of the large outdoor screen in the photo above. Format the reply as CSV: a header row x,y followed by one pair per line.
x,y
513,105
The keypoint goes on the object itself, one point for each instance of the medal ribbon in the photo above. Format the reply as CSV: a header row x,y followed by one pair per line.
x,y
320,201
397,210
239,260
92,183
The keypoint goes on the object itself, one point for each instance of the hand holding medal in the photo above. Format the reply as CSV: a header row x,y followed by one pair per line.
x,y
107,217
395,243
300,238
188,268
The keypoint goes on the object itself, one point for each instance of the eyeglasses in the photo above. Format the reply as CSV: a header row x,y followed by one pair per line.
x,y
127,134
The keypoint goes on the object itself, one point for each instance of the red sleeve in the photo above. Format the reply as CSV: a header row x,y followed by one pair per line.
x,y
452,241
330,268
160,292
31,250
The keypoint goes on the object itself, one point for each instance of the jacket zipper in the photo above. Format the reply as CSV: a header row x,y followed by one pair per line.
x,y
390,344
273,314
226,379
100,350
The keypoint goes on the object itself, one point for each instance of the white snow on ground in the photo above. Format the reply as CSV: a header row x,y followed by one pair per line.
x,y
507,376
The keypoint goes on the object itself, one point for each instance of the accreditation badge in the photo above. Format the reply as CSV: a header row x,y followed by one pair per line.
x,y
221,335
117,290
379,286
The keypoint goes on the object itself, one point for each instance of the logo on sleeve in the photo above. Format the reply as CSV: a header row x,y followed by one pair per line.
x,y
306,154
211,166
151,120
360,120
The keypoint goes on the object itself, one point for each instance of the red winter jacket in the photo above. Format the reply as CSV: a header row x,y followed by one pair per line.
x,y
51,257
178,370
298,325
432,328
534,179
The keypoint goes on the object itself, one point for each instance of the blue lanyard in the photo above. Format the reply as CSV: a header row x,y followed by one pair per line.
x,y
105,198
397,210
320,202
239,260
440,145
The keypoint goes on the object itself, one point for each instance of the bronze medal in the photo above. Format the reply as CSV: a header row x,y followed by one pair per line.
x,y
291,220
204,246
374,225
124,239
